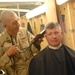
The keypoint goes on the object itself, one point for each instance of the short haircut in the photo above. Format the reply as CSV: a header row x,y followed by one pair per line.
x,y
52,25
6,14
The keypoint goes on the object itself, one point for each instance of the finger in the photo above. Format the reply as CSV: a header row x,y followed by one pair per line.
x,y
16,45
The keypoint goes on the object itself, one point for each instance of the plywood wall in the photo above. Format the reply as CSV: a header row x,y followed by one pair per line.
x,y
35,23
23,21
66,16
51,13
48,16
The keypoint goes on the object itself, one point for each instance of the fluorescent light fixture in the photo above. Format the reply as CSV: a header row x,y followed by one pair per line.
x,y
20,10
37,11
21,0
59,2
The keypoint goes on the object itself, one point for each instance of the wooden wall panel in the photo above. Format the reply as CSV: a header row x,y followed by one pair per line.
x,y
49,16
67,9
36,29
51,13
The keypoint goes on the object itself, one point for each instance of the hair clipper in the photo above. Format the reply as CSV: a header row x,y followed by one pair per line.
x,y
40,35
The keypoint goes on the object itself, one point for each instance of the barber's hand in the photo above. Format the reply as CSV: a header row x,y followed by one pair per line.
x,y
12,50
38,39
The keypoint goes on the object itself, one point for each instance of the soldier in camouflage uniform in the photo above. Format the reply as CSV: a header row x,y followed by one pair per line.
x,y
14,42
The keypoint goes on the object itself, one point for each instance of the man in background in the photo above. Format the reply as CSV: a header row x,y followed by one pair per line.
x,y
56,58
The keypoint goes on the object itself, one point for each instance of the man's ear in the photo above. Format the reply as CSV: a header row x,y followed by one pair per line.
x,y
4,25
44,35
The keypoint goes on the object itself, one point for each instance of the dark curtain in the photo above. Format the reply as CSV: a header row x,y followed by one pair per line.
x,y
29,28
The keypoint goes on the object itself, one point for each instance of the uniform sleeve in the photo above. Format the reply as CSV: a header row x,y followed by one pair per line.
x,y
4,60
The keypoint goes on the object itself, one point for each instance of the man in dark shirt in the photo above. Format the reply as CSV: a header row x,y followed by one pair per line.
x,y
56,58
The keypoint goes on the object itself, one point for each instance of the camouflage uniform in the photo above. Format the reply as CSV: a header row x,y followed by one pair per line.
x,y
17,64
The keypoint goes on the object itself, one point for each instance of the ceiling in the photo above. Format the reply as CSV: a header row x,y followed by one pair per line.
x,y
20,8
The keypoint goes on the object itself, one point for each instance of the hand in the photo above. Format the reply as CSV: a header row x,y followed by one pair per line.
x,y
12,50
38,39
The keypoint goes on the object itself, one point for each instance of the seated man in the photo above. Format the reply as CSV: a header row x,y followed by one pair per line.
x,y
56,58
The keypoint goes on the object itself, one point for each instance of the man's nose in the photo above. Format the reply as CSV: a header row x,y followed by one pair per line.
x,y
18,23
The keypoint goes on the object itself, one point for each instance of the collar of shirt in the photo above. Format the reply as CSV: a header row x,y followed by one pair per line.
x,y
55,48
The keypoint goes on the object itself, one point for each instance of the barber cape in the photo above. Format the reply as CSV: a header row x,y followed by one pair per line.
x,y
53,62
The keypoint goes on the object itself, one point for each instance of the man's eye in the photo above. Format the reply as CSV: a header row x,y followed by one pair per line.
x,y
14,22
50,34
56,32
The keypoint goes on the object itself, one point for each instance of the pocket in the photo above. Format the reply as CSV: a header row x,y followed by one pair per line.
x,y
24,42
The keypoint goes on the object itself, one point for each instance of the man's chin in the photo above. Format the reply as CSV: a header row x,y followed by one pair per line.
x,y
16,32
55,45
